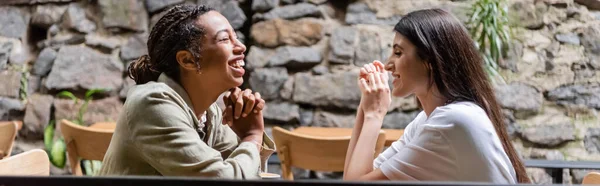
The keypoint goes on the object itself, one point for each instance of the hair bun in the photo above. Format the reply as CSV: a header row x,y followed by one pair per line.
x,y
142,71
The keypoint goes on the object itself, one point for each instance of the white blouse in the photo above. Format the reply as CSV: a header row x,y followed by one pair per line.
x,y
457,142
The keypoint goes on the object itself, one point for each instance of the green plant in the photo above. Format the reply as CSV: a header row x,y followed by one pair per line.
x,y
57,149
88,97
23,94
49,134
489,27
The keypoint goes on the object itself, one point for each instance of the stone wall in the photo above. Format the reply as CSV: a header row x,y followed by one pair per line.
x,y
303,57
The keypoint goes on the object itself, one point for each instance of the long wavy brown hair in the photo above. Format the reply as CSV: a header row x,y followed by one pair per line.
x,y
457,68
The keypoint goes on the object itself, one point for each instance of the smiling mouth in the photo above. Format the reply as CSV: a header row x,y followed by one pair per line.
x,y
237,64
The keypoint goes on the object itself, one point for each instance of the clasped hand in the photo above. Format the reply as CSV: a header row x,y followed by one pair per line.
x,y
243,112
373,83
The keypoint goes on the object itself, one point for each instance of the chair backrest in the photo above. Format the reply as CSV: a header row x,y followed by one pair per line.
x,y
85,142
31,163
312,152
104,125
592,178
8,131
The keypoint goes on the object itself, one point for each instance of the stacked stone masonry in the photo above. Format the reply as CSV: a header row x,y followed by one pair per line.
x,y
303,56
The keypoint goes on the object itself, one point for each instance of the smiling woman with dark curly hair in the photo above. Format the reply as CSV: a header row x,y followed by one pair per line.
x,y
170,124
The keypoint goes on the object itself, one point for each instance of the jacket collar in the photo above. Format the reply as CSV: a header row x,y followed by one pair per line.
x,y
163,78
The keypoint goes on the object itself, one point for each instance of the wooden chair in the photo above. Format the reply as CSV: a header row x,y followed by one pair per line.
x,y
31,163
18,123
104,125
88,143
313,152
8,132
391,135
592,178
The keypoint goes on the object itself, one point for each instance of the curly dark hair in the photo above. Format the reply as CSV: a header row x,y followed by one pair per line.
x,y
175,31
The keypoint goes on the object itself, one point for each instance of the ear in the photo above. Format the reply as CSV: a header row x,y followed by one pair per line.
x,y
186,60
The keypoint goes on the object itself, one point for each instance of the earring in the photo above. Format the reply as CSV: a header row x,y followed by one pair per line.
x,y
198,71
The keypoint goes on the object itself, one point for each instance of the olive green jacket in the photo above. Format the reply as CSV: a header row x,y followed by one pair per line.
x,y
158,133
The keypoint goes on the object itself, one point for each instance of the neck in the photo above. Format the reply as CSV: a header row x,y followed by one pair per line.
x,y
431,99
202,94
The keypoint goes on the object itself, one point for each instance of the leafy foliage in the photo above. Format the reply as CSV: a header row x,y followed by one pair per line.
x,y
88,97
489,27
23,91
58,148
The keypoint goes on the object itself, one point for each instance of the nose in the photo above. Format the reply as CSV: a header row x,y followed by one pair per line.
x,y
239,47
389,65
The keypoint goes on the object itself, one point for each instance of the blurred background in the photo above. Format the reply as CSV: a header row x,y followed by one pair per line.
x,y
67,59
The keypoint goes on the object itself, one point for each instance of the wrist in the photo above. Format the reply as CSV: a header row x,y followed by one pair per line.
x,y
253,137
256,139
254,133
372,116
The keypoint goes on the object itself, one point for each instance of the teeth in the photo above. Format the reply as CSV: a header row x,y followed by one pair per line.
x,y
238,64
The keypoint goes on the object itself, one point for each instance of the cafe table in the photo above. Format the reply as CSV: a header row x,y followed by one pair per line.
x,y
391,135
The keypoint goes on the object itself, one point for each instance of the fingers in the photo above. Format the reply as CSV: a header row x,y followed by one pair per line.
x,y
371,74
383,79
238,107
241,103
377,78
260,103
373,68
363,85
386,78
250,100
363,73
379,65
235,94
369,68
372,85
228,115
227,98
376,66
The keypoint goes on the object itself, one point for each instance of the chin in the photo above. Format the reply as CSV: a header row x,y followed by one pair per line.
x,y
238,81
233,82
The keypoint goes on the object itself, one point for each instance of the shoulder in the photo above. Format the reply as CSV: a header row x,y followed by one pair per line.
x,y
153,99
461,115
155,104
149,93
150,89
411,128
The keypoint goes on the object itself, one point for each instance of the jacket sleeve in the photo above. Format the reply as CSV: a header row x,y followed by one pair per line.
x,y
227,141
164,137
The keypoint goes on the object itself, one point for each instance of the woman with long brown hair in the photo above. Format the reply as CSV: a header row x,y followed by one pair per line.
x,y
170,124
459,135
